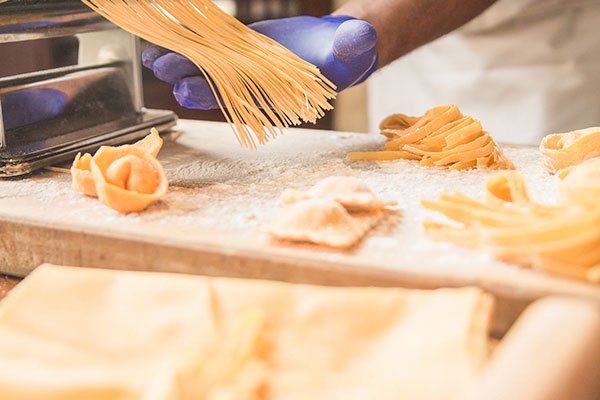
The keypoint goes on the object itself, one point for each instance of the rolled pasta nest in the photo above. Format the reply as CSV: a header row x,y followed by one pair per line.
x,y
562,238
563,150
261,86
442,137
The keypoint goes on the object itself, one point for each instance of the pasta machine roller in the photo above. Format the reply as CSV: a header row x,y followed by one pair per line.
x,y
69,81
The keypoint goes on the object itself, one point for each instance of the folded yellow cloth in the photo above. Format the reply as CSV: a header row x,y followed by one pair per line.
x,y
75,333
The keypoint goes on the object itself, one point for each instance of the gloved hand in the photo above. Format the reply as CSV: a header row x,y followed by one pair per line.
x,y
29,106
343,48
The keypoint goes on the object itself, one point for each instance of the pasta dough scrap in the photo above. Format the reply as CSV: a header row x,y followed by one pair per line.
x,y
321,221
562,238
128,179
137,335
260,86
442,137
81,170
564,150
350,192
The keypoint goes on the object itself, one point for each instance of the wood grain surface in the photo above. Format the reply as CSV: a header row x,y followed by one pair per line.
x,y
6,285
221,196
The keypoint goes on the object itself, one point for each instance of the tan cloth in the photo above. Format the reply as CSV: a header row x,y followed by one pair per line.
x,y
73,333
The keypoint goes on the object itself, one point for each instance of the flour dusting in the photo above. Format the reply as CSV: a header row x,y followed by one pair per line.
x,y
217,186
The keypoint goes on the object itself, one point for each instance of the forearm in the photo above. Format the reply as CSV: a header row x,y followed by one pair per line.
x,y
404,25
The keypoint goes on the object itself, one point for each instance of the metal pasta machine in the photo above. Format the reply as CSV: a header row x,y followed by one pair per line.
x,y
70,81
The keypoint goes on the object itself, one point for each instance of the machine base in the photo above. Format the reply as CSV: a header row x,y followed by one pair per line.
x,y
111,134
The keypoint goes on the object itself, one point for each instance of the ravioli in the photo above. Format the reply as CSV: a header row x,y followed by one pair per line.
x,y
350,192
321,221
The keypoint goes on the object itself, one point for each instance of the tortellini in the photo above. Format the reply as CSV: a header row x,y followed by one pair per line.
x,y
127,178
564,150
81,171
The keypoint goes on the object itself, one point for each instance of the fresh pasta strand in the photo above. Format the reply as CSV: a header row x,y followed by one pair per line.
x,y
563,238
442,137
260,86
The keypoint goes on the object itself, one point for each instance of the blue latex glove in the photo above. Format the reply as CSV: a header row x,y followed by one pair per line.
x,y
29,106
343,48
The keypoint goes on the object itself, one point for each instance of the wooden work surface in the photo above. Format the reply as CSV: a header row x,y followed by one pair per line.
x,y
6,285
221,195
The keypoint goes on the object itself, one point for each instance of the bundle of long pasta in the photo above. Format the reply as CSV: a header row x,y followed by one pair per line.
x,y
261,86
442,137
563,238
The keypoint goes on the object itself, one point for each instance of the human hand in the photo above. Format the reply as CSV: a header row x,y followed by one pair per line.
x,y
32,105
343,48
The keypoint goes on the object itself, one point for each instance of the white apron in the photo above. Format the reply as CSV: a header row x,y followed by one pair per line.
x,y
525,68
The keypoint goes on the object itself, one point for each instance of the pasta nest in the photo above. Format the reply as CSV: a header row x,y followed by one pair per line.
x,y
563,238
562,150
442,137
260,86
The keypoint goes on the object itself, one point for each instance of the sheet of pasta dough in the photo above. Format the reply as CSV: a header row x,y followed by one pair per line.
x,y
69,333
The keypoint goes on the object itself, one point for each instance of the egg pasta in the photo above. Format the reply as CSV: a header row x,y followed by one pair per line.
x,y
562,238
442,137
260,86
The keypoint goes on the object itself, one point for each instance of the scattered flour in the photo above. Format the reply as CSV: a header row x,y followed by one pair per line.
x,y
216,185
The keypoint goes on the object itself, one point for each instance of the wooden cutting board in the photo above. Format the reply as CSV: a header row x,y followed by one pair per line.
x,y
221,195
6,285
